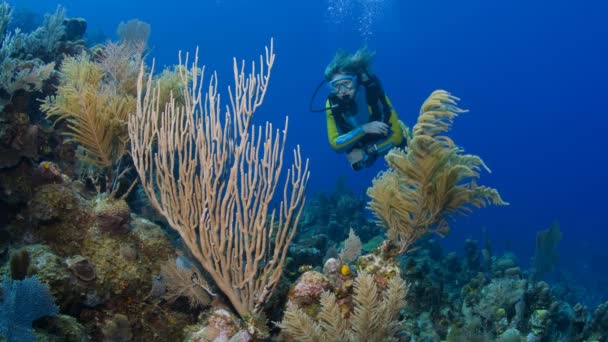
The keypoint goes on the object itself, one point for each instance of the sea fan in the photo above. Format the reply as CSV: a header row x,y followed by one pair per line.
x,y
24,301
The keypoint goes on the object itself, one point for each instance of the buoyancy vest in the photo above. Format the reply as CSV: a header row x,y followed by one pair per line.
x,y
376,101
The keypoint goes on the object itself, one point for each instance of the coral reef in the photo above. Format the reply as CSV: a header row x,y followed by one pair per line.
x,y
96,114
186,153
20,70
370,312
429,180
76,237
23,302
82,258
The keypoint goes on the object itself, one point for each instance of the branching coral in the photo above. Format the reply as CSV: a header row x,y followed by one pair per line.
x,y
185,282
430,180
24,56
96,115
120,64
95,97
213,176
352,248
374,317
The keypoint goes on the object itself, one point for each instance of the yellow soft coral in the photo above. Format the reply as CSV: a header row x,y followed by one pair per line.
x,y
90,100
430,179
96,114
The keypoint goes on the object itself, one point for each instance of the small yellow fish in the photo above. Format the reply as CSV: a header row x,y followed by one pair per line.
x,y
345,270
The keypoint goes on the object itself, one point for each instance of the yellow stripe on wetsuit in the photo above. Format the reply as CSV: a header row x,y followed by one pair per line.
x,y
344,142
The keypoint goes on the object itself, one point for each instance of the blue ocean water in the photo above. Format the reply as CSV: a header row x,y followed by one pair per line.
x,y
532,73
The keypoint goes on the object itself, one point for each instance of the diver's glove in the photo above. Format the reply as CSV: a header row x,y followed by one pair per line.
x,y
360,159
357,158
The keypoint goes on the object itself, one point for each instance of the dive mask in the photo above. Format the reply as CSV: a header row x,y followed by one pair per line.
x,y
342,84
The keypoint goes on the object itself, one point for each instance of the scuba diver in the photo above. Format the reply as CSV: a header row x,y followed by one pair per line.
x,y
361,121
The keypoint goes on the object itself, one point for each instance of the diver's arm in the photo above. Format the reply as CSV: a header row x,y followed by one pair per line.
x,y
344,142
395,137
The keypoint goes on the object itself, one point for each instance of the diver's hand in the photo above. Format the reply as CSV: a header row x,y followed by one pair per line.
x,y
375,127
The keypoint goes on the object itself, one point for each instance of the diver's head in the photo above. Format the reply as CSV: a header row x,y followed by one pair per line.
x,y
343,71
351,64
343,86
343,76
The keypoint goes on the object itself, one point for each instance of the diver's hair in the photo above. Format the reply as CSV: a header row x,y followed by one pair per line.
x,y
353,64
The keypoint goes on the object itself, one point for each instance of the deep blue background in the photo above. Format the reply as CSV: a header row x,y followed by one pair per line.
x,y
532,73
